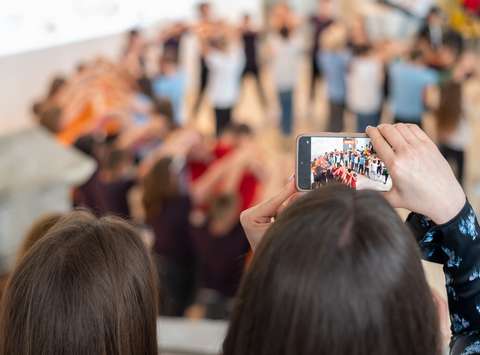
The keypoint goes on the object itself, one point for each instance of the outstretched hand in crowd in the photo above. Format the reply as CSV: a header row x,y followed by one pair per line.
x,y
423,181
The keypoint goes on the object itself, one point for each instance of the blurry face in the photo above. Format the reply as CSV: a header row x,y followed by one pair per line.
x,y
435,20
205,11
448,56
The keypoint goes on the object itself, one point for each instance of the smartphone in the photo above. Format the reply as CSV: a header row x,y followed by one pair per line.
x,y
343,158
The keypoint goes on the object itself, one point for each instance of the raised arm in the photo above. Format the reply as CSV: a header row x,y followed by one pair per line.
x,y
443,221
223,176
456,245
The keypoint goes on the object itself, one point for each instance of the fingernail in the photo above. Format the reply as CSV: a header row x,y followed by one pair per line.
x,y
291,177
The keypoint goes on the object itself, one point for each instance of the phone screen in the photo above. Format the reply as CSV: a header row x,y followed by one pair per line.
x,y
350,160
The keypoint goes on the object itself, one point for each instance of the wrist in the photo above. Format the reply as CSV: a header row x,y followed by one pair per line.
x,y
448,210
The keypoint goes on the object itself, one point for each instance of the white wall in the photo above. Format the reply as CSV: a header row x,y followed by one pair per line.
x,y
24,77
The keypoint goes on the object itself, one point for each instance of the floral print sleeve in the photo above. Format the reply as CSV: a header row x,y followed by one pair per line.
x,y
456,245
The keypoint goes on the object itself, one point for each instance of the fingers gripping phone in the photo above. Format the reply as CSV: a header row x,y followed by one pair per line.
x,y
343,158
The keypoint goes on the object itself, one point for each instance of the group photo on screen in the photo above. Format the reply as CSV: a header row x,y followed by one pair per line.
x,y
350,161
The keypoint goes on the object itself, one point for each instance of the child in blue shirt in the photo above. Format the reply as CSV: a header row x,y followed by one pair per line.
x,y
171,84
409,81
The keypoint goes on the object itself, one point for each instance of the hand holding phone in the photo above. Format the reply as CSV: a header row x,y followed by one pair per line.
x,y
258,219
423,180
344,158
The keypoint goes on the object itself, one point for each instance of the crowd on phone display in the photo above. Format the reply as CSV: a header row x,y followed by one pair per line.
x,y
345,166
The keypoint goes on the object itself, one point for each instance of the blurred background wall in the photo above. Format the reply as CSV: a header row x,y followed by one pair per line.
x,y
39,38
52,36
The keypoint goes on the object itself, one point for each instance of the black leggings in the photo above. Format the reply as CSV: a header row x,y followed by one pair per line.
x,y
316,73
223,117
335,123
204,75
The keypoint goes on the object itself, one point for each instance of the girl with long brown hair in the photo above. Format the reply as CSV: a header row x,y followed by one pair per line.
x,y
87,287
337,272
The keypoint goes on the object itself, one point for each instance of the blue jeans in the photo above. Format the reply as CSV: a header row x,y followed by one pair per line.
x,y
286,103
365,120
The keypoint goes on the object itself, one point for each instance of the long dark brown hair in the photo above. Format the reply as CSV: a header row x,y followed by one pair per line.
x,y
158,187
338,273
449,111
87,287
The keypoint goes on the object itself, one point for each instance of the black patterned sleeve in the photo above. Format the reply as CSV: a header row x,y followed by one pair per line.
x,y
456,245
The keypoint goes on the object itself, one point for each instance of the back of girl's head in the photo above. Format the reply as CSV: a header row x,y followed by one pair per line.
x,y
285,32
87,144
56,85
51,119
338,273
204,8
164,108
449,111
417,55
37,108
133,34
116,160
362,50
87,287
435,12
158,187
